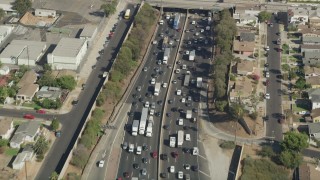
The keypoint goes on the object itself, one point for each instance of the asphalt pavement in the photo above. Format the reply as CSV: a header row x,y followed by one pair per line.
x,y
138,98
193,39
274,108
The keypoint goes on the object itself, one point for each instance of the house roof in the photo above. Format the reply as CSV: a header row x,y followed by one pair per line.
x,y
311,55
309,46
314,128
312,39
88,30
311,70
314,80
28,90
246,66
29,77
314,94
68,47
309,31
315,113
247,36
5,125
29,128
243,46
304,172
243,86
23,49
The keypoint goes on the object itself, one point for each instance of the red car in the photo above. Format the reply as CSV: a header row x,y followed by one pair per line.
x,y
175,154
28,116
155,154
41,111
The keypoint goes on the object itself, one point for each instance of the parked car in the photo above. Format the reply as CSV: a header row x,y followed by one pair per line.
x,y
41,111
28,116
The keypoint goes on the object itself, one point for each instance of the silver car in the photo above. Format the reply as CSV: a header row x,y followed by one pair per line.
x,y
125,145
144,171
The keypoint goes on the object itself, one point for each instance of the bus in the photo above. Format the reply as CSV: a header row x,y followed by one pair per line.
x,y
127,14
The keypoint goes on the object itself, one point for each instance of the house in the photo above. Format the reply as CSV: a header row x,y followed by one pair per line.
x,y
244,16
88,33
304,172
45,13
6,128
68,54
6,5
5,31
51,93
22,52
247,36
315,115
26,155
26,132
314,97
310,36
314,18
29,77
244,68
311,58
313,81
309,48
241,89
27,92
4,70
243,47
298,15
314,130
311,71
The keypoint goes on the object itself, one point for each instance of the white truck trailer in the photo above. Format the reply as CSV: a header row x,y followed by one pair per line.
x,y
186,80
157,89
143,120
135,127
166,55
149,130
180,138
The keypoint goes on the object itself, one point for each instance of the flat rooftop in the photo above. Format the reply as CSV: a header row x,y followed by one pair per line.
x,y
68,47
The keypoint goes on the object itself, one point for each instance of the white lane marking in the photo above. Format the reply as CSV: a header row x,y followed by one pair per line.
x,y
134,158
204,173
127,157
201,156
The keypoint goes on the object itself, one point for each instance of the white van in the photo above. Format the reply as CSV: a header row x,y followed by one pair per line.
x,y
131,147
195,151
164,61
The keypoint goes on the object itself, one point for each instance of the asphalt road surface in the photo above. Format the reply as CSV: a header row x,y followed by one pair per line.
x,y
73,121
274,109
199,39
138,98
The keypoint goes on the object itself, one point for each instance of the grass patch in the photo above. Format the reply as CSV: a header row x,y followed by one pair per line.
x,y
285,97
263,169
11,151
299,108
30,104
284,59
227,145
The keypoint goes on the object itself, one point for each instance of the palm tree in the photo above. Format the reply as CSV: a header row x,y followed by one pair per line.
x,y
41,146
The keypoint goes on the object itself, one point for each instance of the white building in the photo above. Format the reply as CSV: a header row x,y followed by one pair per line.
x,y
27,154
298,16
23,52
88,33
68,54
5,31
45,13
245,17
6,5
4,70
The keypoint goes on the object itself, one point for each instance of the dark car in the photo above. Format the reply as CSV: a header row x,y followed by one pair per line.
x,y
195,168
168,114
126,175
158,114
160,102
75,102
175,154
145,147
134,96
148,94
131,114
170,101
163,175
195,110
58,133
145,160
164,157
141,99
166,127
186,128
136,166
134,103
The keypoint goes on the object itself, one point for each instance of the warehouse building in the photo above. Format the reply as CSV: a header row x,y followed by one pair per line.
x,y
68,54
89,32
21,52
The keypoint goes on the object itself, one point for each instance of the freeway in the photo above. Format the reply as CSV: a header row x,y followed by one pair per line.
x,y
143,93
274,109
200,41
73,121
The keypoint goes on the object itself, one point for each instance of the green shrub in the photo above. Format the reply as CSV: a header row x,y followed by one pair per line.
x,y
227,145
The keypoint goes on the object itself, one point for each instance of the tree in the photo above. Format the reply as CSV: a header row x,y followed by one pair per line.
x,y
108,9
54,176
22,6
266,151
80,156
294,141
3,142
47,68
221,105
264,15
2,14
285,67
47,80
67,82
292,74
300,84
290,159
41,146
55,124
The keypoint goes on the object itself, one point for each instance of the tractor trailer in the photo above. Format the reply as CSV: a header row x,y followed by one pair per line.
x,y
135,127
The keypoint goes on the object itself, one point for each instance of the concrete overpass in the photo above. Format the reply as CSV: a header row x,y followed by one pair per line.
x,y
190,4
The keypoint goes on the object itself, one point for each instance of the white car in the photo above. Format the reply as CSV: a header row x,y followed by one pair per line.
x,y
187,52
171,169
267,74
159,62
193,22
154,42
180,175
179,92
151,112
180,122
267,48
161,22
164,85
195,151
189,98
147,104
188,137
139,149
171,42
184,67
202,30
153,81
177,71
101,163
267,96
183,100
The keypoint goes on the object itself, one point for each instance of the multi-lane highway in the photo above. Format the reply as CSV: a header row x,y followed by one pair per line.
x,y
274,109
196,38
73,121
139,96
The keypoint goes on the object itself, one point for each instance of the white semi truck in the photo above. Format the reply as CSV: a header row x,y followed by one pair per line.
x,y
157,89
180,138
135,127
143,120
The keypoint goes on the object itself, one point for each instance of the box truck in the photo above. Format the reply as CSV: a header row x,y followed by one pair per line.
x,y
135,127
